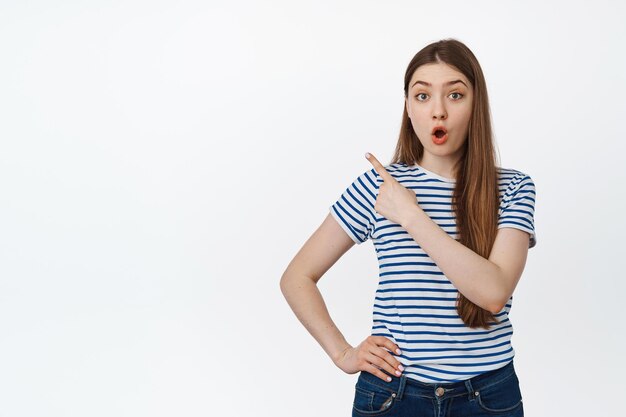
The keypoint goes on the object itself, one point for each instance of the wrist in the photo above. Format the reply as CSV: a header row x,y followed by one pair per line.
x,y
336,356
411,216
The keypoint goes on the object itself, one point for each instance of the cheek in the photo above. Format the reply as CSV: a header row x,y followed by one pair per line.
x,y
420,127
467,111
418,120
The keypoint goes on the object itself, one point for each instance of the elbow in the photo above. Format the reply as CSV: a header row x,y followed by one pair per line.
x,y
283,283
287,283
292,277
498,298
495,308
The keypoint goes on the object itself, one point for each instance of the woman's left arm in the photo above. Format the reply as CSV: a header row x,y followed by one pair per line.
x,y
488,283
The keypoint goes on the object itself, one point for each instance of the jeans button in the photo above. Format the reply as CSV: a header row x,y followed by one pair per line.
x,y
439,392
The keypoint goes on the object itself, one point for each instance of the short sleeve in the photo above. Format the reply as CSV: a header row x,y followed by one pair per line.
x,y
354,209
518,210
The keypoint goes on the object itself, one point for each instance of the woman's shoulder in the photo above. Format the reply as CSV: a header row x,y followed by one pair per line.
x,y
508,175
395,169
513,181
399,167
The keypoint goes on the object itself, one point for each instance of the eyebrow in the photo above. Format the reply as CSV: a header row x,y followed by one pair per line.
x,y
446,84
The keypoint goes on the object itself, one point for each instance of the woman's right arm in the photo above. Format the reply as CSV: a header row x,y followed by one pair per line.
x,y
299,286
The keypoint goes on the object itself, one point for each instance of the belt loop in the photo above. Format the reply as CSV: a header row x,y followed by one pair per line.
x,y
470,389
401,387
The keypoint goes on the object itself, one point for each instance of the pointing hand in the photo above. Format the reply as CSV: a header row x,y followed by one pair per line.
x,y
395,202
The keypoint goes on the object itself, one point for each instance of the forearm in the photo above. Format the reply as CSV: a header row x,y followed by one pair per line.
x,y
307,303
475,277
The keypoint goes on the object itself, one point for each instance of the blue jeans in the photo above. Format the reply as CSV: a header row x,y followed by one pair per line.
x,y
495,394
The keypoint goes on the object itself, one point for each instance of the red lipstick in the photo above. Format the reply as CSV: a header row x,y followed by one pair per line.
x,y
439,135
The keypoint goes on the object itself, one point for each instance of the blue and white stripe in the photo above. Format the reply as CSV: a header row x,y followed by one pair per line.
x,y
415,304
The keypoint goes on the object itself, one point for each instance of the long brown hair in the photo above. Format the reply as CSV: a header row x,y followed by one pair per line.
x,y
475,199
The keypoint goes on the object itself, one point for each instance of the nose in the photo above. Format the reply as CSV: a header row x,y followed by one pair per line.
x,y
439,110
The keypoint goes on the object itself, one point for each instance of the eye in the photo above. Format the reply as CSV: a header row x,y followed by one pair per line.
x,y
459,96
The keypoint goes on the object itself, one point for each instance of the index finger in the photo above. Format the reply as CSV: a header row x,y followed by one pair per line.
x,y
379,167
388,343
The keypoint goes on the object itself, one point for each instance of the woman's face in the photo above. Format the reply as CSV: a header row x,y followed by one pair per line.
x,y
439,95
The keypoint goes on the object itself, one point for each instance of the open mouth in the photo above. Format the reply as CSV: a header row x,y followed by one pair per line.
x,y
439,131
439,135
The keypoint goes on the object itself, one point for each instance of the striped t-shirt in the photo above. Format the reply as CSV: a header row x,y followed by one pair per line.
x,y
415,303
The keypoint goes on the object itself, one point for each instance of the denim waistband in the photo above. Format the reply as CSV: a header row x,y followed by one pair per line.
x,y
403,385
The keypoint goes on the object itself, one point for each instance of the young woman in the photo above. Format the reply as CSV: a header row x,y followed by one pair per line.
x,y
451,230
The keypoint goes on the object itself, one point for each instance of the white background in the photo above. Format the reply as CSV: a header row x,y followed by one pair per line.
x,y
161,162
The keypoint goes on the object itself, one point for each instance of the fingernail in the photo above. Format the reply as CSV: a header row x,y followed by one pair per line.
x,y
398,352
388,378
398,373
400,367
367,154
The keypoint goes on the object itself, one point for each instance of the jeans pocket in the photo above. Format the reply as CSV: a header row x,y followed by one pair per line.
x,y
372,400
503,396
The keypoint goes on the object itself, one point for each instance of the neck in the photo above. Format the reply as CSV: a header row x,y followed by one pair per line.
x,y
443,166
